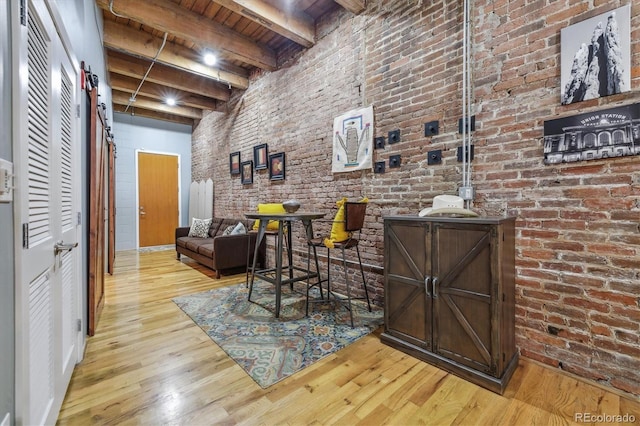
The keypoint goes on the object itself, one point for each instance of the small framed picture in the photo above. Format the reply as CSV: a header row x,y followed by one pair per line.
x,y
276,166
246,172
234,163
260,157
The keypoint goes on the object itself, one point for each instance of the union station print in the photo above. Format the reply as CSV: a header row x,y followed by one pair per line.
x,y
602,134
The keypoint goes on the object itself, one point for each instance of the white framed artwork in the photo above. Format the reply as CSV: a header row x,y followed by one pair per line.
x,y
353,141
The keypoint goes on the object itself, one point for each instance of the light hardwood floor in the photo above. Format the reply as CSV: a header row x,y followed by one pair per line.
x,y
150,364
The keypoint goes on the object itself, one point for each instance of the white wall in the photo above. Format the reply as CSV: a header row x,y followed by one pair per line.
x,y
133,133
82,30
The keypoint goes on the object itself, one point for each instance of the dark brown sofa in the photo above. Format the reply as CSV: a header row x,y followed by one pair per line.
x,y
220,252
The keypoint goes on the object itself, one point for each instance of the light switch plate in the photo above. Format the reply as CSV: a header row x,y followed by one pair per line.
x,y
6,181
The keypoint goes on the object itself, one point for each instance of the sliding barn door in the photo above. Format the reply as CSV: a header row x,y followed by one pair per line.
x,y
111,207
47,211
97,253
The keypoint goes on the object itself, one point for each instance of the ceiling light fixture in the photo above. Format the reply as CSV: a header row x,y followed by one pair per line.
x,y
210,59
171,101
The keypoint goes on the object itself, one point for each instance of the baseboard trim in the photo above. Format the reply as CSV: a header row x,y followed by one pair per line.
x,y
606,388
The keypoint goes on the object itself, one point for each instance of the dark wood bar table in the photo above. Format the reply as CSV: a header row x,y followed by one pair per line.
x,y
274,275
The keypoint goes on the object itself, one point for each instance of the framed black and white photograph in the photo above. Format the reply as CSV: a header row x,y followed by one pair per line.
x,y
596,57
246,172
260,157
613,132
276,166
234,163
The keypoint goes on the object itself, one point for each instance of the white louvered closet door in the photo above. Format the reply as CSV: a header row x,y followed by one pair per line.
x,y
47,296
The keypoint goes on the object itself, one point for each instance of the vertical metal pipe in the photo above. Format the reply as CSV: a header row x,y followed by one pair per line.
x,y
469,89
464,92
466,99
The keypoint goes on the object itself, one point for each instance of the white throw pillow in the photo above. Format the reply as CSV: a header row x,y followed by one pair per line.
x,y
239,229
200,228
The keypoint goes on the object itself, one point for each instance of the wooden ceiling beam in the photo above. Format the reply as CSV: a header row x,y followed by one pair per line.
x,y
120,63
160,92
139,43
296,27
122,98
141,112
353,6
169,17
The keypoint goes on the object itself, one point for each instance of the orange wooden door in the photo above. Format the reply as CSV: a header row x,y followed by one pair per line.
x,y
158,213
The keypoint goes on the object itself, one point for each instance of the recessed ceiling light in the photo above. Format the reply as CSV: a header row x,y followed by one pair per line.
x,y
171,101
210,59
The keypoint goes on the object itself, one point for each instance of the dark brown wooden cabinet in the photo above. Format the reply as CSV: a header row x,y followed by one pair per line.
x,y
450,294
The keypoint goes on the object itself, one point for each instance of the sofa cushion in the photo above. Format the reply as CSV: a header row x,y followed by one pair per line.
x,y
238,229
182,241
224,224
228,230
215,226
200,227
194,243
206,249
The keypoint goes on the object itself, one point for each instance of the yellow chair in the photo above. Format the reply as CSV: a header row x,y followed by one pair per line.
x,y
345,232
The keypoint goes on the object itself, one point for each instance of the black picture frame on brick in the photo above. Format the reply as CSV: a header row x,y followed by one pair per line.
x,y
246,172
260,157
234,163
277,166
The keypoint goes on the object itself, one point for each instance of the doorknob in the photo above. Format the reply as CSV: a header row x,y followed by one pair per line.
x,y
60,246
142,212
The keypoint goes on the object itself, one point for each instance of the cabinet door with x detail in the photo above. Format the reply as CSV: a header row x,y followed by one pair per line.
x,y
408,303
463,294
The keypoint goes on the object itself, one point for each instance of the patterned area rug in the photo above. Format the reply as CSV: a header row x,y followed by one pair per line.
x,y
269,349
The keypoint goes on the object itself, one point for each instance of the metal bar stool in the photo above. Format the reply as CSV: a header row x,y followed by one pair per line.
x,y
354,214
267,233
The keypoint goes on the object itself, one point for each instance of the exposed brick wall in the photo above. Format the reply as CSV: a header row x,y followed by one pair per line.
x,y
578,236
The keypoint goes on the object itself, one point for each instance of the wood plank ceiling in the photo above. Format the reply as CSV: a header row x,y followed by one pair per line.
x,y
155,49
